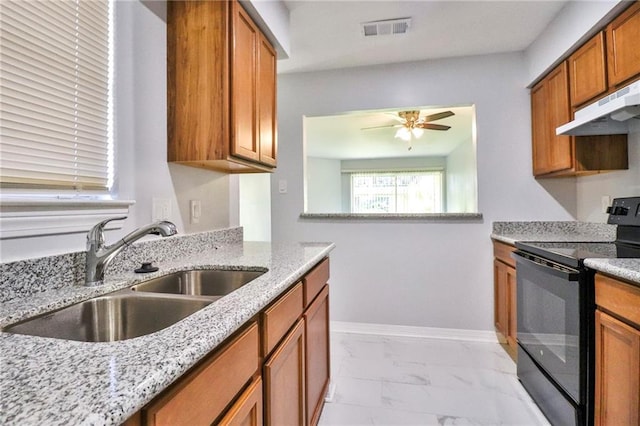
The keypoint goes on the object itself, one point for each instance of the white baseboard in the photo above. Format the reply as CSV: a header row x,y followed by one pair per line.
x,y
412,331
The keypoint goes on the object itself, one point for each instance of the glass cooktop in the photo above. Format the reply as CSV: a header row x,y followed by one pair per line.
x,y
573,254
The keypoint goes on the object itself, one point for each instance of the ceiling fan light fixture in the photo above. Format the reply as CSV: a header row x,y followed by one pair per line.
x,y
404,134
417,132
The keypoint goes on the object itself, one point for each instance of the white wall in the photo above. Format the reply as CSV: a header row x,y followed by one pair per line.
x,y
421,274
255,206
141,141
324,185
462,193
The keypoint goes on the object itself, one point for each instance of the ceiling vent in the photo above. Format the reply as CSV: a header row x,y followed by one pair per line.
x,y
385,27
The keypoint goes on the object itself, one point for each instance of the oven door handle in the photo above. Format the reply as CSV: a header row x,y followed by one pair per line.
x,y
546,266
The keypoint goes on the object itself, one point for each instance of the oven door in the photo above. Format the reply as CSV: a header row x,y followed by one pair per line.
x,y
549,320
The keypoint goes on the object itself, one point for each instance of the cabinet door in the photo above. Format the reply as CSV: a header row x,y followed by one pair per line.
x,y
587,71
284,381
623,52
316,320
247,411
540,141
501,300
560,150
617,372
244,60
512,324
267,102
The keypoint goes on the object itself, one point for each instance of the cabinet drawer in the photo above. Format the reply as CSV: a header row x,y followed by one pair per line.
x,y
203,394
315,280
248,409
502,252
278,318
618,297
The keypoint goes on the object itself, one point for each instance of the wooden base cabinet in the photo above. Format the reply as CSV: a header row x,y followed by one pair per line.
x,y
617,354
316,320
284,379
505,296
617,372
275,371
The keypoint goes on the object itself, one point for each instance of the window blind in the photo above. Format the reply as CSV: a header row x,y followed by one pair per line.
x,y
396,192
55,107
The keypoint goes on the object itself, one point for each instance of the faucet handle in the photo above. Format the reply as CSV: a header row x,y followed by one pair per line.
x,y
96,234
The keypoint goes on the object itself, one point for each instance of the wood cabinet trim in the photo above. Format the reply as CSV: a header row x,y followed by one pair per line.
x,y
502,252
280,317
315,280
619,298
248,407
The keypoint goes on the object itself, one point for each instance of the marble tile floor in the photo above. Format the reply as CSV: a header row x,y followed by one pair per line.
x,y
382,380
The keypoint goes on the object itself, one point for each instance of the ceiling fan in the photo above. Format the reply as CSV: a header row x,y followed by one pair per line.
x,y
413,126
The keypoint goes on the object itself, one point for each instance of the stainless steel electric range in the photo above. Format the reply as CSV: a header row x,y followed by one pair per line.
x,y
556,310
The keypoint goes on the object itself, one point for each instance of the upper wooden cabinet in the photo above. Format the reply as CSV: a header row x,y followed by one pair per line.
x,y
221,77
587,71
550,109
567,155
623,50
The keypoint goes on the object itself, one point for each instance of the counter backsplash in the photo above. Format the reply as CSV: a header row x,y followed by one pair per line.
x,y
25,277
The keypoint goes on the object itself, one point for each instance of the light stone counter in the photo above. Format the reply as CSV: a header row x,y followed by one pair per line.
x,y
59,382
626,269
510,232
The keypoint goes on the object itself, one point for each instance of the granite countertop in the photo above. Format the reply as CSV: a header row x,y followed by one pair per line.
x,y
626,269
53,381
510,232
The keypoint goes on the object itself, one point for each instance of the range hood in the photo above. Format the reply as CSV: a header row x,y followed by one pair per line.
x,y
612,115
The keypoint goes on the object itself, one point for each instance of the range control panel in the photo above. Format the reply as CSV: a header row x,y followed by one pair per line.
x,y
624,211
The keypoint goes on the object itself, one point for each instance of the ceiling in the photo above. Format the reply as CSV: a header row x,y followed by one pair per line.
x,y
326,34
341,136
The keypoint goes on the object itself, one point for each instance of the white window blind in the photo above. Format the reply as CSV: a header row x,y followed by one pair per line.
x,y
397,192
55,81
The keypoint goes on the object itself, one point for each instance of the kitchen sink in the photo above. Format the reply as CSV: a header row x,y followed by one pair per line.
x,y
117,316
213,283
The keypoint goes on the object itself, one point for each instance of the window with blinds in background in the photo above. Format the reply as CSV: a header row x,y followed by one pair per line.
x,y
397,192
55,94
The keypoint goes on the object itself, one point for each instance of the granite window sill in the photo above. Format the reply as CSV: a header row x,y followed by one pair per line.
x,y
394,217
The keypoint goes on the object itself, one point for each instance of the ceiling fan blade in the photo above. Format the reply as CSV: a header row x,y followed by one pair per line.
x,y
382,127
432,126
438,116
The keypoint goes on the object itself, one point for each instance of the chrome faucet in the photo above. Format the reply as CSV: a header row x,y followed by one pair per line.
x,y
100,255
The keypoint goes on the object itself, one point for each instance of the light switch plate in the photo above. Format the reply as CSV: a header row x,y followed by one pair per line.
x,y
195,209
282,186
161,209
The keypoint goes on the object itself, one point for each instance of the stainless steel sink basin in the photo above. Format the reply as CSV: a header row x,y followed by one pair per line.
x,y
208,282
117,316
